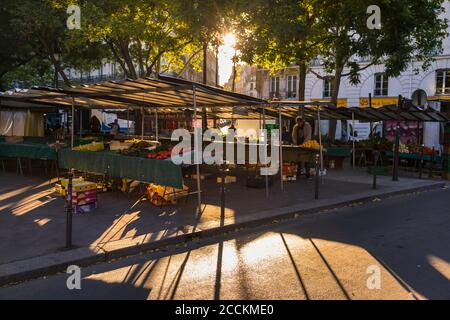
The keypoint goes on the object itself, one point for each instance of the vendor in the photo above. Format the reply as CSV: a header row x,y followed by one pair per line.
x,y
302,133
115,128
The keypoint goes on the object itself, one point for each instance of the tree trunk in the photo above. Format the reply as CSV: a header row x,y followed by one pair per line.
x,y
124,48
301,80
334,99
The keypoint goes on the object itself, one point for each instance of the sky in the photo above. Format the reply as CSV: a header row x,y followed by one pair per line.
x,y
226,53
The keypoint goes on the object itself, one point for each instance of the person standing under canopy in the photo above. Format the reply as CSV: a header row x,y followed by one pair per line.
x,y
115,128
95,125
301,133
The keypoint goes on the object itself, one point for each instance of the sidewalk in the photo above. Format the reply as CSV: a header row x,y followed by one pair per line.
x,y
32,217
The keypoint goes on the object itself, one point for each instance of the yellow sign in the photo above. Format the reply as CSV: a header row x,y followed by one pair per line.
x,y
341,103
377,102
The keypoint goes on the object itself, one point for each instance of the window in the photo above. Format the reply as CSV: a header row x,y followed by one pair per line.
x,y
443,81
381,85
251,86
291,87
274,87
327,87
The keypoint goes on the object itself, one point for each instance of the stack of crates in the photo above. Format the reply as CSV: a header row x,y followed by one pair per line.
x,y
290,171
446,169
84,197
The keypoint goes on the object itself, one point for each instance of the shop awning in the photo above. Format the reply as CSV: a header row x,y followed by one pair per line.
x,y
329,112
166,92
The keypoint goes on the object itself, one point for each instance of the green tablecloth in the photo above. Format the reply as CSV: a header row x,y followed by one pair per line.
x,y
339,152
28,150
119,166
415,156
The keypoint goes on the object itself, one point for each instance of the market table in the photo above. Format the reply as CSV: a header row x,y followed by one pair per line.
x,y
415,156
116,165
299,154
338,155
28,150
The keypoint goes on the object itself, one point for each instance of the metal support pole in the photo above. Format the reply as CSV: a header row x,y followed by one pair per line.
x,y
320,139
156,125
128,121
376,155
316,194
353,140
72,124
280,120
421,163
266,150
396,154
142,123
81,124
222,191
196,151
430,175
69,211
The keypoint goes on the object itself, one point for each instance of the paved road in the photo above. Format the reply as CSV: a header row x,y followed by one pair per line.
x,y
323,256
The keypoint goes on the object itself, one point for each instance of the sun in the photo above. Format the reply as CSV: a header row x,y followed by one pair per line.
x,y
229,40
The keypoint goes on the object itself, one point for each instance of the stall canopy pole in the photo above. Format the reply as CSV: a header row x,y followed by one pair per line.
x,y
353,138
72,124
266,149
128,121
196,151
280,120
142,123
81,124
320,139
156,125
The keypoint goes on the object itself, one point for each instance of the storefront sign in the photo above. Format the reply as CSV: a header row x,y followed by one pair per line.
x,y
377,102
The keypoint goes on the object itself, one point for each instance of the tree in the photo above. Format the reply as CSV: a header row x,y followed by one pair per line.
x,y
410,30
143,36
38,30
277,35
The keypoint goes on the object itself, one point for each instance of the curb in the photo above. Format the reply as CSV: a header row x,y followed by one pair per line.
x,y
54,263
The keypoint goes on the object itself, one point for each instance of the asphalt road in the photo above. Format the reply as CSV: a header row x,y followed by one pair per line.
x,y
322,256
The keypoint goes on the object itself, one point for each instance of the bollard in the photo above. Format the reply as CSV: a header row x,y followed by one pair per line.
x,y
431,164
69,211
421,163
222,192
376,155
317,178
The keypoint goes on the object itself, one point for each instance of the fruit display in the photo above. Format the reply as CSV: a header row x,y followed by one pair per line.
x,y
139,148
165,196
377,143
145,149
91,147
160,153
419,149
311,144
403,148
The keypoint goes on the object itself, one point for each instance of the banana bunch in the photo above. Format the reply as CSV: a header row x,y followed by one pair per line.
x,y
311,144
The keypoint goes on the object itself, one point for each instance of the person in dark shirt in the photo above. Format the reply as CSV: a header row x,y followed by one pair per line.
x,y
286,137
95,125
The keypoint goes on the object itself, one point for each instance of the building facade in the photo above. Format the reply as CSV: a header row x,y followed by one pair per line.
x,y
435,81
